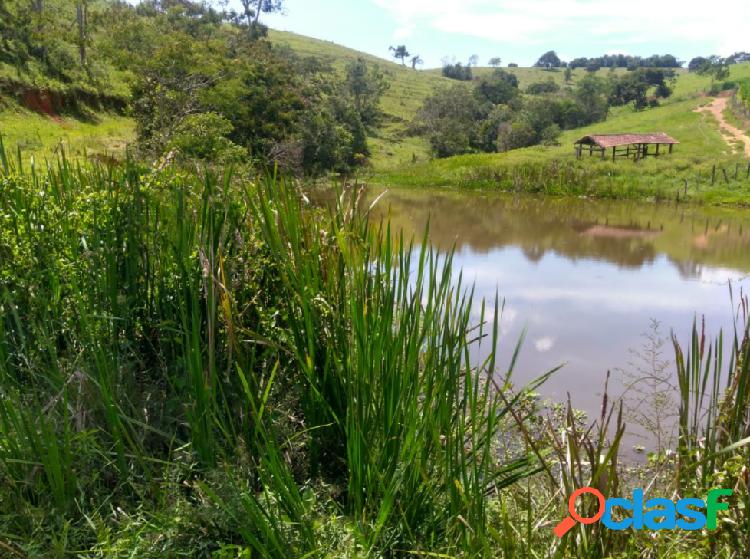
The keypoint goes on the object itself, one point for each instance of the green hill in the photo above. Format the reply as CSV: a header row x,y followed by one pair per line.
x,y
394,151
390,145
399,158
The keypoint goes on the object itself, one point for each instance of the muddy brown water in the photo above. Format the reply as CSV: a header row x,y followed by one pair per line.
x,y
583,278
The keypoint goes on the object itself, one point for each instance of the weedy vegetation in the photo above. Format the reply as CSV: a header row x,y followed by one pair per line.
x,y
193,364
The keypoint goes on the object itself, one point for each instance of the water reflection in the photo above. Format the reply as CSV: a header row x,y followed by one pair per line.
x,y
630,235
583,278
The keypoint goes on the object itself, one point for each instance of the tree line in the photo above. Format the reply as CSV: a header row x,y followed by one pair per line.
x,y
491,114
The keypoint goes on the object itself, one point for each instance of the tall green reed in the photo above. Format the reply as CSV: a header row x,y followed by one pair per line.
x,y
384,339
145,311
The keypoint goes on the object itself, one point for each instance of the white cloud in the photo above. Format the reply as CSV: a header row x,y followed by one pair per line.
x,y
721,276
544,344
726,23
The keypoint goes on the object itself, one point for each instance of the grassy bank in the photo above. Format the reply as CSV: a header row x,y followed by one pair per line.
x,y
41,136
555,169
195,365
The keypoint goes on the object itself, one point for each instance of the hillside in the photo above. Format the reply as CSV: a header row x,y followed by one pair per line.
x,y
701,148
391,146
397,157
408,88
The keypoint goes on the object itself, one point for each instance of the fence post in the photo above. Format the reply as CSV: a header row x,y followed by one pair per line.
x,y
713,175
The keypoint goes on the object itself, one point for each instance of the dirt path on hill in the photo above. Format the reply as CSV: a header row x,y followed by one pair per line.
x,y
729,132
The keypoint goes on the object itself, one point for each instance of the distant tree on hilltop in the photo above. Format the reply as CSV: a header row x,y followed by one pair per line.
x,y
716,67
495,61
416,60
738,57
697,63
400,52
549,60
457,71
627,61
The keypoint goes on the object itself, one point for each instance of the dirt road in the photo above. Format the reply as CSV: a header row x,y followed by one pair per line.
x,y
730,132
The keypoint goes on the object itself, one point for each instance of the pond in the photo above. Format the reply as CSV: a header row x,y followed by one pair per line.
x,y
586,279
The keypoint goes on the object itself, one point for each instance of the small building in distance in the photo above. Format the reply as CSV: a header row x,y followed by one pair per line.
x,y
637,146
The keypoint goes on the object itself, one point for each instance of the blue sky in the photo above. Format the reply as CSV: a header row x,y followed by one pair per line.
x,y
520,30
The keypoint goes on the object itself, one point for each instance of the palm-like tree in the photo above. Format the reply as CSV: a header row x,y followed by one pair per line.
x,y
400,52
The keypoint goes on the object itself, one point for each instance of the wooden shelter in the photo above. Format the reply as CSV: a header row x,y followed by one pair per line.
x,y
625,145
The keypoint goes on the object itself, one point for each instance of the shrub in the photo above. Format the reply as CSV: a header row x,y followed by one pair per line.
x,y
497,88
204,136
457,71
545,87
451,120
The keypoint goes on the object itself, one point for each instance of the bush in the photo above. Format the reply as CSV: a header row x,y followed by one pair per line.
x,y
718,87
451,119
457,71
204,136
541,88
497,88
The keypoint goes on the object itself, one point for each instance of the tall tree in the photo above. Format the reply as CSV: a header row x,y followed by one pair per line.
x,y
400,52
495,61
416,60
82,23
715,67
253,8
697,63
366,84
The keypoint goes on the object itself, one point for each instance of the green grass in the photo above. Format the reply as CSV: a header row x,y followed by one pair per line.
x,y
112,82
42,136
